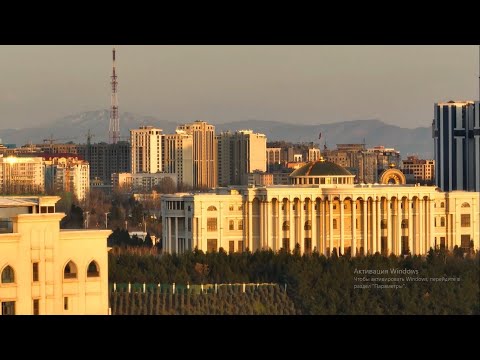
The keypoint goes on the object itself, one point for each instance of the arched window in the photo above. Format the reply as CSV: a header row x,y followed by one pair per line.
x,y
212,208
8,275
465,205
442,204
285,226
93,270
308,225
442,221
70,271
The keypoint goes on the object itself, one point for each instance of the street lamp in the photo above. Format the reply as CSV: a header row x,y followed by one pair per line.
x,y
86,219
106,220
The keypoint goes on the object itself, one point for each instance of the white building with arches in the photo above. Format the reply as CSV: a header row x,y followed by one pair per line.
x,y
45,270
323,210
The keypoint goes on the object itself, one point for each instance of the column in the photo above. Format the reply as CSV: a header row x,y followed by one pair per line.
x,y
342,229
431,225
169,235
249,242
278,243
291,222
378,240
410,227
270,219
354,227
421,218
324,227
301,220
176,234
374,226
389,227
330,221
313,228
365,230
398,247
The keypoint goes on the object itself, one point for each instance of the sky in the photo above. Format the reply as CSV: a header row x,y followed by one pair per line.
x,y
221,84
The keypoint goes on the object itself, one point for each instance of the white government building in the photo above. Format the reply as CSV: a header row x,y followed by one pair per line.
x,y
322,210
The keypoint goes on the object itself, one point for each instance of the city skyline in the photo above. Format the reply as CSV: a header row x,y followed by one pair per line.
x,y
221,84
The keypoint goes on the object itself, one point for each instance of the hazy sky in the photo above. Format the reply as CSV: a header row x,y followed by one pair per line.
x,y
298,84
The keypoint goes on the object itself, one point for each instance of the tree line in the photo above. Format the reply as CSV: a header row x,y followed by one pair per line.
x,y
266,300
317,284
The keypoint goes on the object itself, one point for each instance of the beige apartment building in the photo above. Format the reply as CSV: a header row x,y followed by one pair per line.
x,y
146,144
45,270
67,173
21,175
178,156
239,154
204,153
323,210
422,170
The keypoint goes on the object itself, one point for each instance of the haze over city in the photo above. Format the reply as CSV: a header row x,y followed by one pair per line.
x,y
220,84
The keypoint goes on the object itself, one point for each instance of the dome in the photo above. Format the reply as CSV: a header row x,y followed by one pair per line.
x,y
320,168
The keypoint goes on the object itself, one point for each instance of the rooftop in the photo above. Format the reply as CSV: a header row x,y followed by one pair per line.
x,y
321,168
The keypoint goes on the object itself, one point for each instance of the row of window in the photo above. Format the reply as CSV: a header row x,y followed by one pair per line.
x,y
69,272
231,225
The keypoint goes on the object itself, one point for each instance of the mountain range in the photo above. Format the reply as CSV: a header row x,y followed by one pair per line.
x,y
374,132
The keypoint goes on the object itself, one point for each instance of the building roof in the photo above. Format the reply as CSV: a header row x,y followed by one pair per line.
x,y
320,168
6,202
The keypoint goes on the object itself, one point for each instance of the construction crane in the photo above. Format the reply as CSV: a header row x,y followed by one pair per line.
x,y
51,140
89,136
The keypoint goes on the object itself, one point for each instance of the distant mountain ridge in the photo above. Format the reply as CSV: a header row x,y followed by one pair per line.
x,y
375,132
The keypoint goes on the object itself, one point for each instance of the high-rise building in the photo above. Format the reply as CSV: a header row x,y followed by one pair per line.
x,y
422,170
45,270
240,154
204,153
146,150
21,175
456,133
106,159
178,156
274,156
65,172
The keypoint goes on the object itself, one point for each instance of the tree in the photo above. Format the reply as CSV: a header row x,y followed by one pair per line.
x,y
148,241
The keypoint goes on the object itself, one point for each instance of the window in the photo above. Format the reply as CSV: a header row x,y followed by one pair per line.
x,y
65,303
334,224
384,244
404,224
231,225
286,226
442,204
240,246
465,220
70,271
465,205
308,225
35,271
405,249
211,224
36,307
308,245
383,224
442,221
92,270
212,208
8,308
443,243
211,245
230,208
8,275
334,207
286,244
465,244
231,246
240,207
240,224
